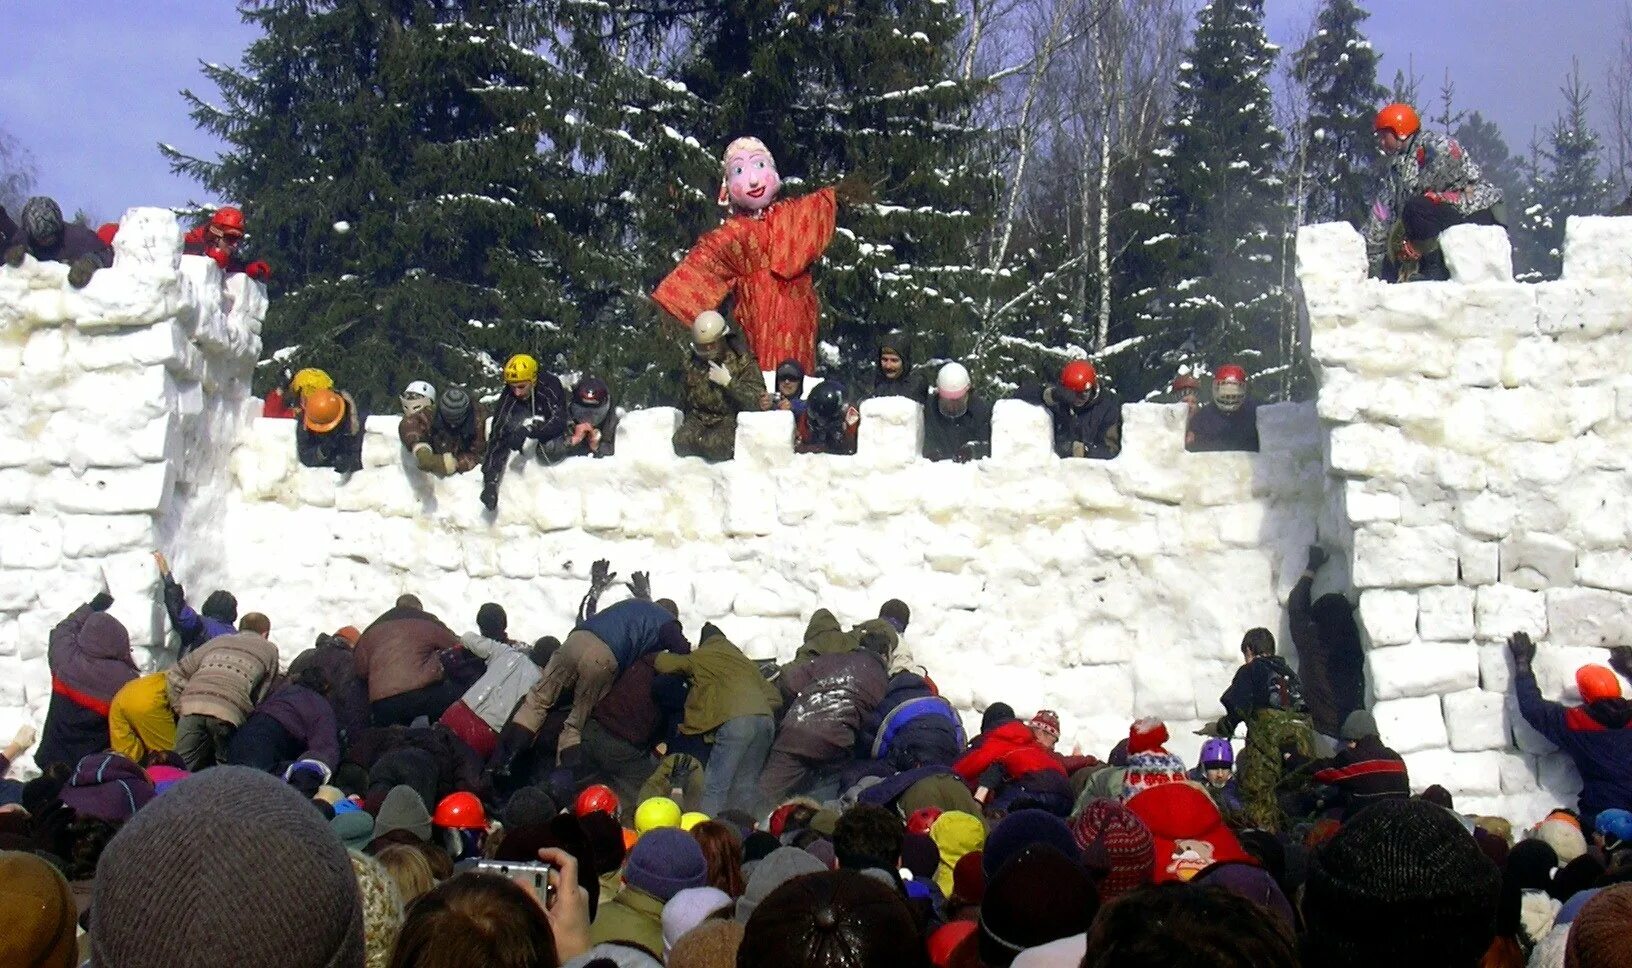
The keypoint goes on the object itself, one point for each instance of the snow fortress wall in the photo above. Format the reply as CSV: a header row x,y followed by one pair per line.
x,y
1478,435
1100,589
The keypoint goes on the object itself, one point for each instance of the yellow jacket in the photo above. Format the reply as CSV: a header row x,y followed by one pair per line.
x,y
139,718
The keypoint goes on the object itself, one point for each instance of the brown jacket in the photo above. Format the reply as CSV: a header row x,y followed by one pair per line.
x,y
422,427
224,678
399,652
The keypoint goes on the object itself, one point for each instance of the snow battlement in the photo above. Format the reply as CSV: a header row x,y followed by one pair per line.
x,y
1466,451
1479,443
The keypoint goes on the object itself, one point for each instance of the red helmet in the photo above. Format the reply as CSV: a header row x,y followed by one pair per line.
x,y
1229,388
597,799
460,811
1229,372
1399,118
1078,376
228,221
107,232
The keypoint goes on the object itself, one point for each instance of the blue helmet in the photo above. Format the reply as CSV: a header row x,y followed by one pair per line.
x,y
1615,824
1216,753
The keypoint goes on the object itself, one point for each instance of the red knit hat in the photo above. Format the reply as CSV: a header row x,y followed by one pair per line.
x,y
1188,830
1046,720
969,877
1116,847
1147,735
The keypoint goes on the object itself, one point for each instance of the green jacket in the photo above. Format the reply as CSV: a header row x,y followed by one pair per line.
x,y
708,403
633,917
725,684
823,637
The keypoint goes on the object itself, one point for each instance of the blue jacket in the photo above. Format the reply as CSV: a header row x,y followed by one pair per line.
x,y
633,628
918,731
192,628
1595,736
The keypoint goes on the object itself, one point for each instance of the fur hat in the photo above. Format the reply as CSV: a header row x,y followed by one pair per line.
x,y
382,908
1564,837
267,885
665,862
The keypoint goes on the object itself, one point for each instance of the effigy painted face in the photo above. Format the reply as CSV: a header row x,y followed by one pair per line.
x,y
750,182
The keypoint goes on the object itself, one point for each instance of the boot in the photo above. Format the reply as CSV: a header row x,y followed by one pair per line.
x,y
490,496
514,740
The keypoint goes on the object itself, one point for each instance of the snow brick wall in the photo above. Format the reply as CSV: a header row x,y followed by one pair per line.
x,y
1478,435
1466,436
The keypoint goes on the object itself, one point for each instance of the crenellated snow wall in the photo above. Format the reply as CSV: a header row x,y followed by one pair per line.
x,y
1101,589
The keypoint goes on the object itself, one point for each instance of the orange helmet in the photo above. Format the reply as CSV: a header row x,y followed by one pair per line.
x,y
228,221
1078,376
1399,118
460,811
324,409
596,799
1596,682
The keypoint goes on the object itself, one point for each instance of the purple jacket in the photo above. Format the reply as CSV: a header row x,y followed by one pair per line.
x,y
309,718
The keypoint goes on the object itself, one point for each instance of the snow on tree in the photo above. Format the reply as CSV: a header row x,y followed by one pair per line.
x,y
1212,244
1338,70
1568,180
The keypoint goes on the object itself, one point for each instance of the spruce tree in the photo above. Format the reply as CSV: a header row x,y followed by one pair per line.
x,y
1568,181
1214,238
384,156
1338,69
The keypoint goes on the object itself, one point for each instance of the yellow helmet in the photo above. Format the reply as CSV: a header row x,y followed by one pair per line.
x,y
521,368
656,812
309,379
692,818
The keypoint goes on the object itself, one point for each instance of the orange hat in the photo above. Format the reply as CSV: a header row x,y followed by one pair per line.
x,y
324,409
1596,682
1563,815
350,634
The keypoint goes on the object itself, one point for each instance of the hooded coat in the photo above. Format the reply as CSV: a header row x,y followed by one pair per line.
x,y
90,660
913,727
347,693
911,385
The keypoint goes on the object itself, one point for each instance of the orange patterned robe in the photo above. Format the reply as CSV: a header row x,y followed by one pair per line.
x,y
766,262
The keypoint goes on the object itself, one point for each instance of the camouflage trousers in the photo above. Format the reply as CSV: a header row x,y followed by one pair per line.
x,y
709,441
1259,771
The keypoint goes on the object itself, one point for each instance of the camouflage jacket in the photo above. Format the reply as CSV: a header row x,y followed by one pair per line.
x,y
1431,164
709,403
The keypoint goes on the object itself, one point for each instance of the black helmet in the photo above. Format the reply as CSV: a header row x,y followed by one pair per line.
x,y
454,406
591,391
826,401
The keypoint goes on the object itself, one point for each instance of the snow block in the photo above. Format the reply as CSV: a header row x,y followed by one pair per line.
x,y
1422,669
1409,725
1445,613
1388,617
1391,556
1501,610
1022,435
1597,247
891,432
1330,255
1477,254
1476,720
1537,561
1589,617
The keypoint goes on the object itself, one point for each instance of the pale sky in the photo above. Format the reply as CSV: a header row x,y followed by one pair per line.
x,y
91,86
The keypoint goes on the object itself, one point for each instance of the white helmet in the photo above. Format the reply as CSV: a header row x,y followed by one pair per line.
x,y
420,388
708,327
952,381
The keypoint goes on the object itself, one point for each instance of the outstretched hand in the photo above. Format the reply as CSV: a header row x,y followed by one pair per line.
x,y
1522,649
601,574
1620,659
640,585
1317,557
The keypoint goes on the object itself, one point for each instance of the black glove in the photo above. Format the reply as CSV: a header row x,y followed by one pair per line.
x,y
101,602
640,585
1523,650
81,271
709,628
14,255
601,574
1222,729
1620,659
1317,557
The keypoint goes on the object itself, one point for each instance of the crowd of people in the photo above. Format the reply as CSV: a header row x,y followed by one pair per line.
x,y
404,795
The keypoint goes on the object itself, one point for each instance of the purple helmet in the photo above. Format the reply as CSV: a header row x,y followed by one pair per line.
x,y
1217,752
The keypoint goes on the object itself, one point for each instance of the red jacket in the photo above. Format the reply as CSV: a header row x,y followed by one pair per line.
x,y
1013,747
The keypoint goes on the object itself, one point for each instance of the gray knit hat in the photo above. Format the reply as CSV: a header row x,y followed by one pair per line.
x,y
780,866
229,867
1358,726
402,809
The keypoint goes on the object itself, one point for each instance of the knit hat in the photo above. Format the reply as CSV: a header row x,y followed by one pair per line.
x,y
969,877
831,918
37,912
355,828
1020,830
1046,721
1187,830
1116,846
689,908
1358,725
1146,735
266,885
1151,769
1599,934
529,805
403,810
1253,883
1564,837
783,865
920,855
1596,682
107,786
382,908
955,834
1039,895
665,862
896,612
712,944
996,715
1400,883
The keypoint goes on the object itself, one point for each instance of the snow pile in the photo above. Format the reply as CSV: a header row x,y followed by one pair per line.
x,y
119,400
1478,439
1095,588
